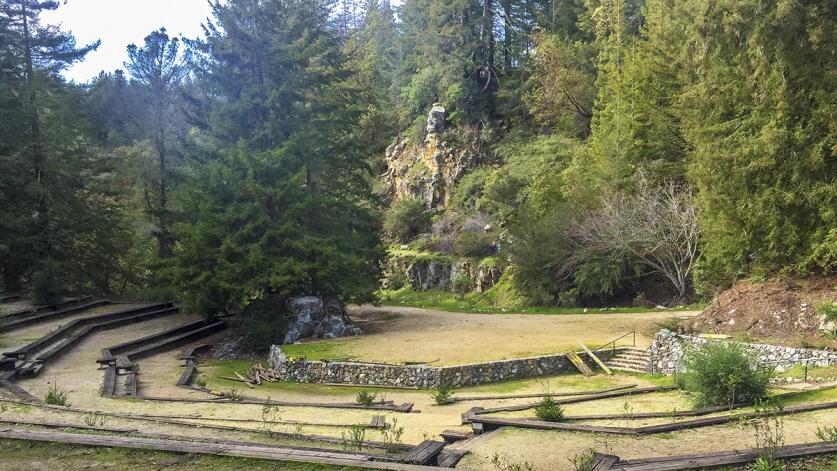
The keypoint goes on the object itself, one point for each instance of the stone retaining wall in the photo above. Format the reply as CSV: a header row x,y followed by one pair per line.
x,y
423,376
668,349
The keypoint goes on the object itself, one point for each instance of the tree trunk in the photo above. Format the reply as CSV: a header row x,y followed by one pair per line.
x,y
507,36
37,152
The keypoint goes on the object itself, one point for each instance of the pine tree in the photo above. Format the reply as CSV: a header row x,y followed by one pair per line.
x,y
282,206
761,118
58,207
159,67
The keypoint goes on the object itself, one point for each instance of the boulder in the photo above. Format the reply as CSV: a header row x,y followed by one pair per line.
x,y
317,317
436,119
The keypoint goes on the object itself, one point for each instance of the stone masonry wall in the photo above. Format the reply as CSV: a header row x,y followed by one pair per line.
x,y
423,376
668,349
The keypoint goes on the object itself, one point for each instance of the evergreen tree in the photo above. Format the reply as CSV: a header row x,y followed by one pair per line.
x,y
58,209
282,206
761,119
159,68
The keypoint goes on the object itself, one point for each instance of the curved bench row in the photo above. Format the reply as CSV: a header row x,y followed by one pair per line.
x,y
26,318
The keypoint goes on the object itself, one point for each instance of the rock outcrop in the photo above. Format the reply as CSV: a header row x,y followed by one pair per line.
x,y
425,273
427,171
317,317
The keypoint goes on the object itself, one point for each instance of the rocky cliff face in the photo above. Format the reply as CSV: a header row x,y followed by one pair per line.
x,y
429,273
427,171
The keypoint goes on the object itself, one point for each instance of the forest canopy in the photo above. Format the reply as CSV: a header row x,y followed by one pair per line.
x,y
620,144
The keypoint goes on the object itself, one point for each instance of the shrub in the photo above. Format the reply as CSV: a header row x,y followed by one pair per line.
x,y
234,394
549,410
46,285
829,310
443,394
56,396
827,434
264,322
724,373
474,244
769,432
392,436
354,438
462,284
365,398
406,218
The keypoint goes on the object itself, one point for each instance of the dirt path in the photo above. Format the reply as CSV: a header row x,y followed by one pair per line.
x,y
397,334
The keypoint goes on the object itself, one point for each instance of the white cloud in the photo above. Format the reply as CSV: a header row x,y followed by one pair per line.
x,y
121,22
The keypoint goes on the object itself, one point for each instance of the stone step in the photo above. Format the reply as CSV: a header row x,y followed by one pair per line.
x,y
628,358
634,357
626,368
621,361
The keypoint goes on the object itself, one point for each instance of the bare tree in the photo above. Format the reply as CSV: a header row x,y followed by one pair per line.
x,y
656,224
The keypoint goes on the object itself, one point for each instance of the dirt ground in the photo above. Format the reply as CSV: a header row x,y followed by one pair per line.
x,y
775,311
408,334
403,334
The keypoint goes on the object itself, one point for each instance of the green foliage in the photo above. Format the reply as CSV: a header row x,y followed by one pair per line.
x,y
827,434
724,373
365,398
47,286
406,218
443,394
280,203
354,438
462,284
827,309
391,436
549,410
234,394
264,322
769,430
583,461
504,464
56,395
477,244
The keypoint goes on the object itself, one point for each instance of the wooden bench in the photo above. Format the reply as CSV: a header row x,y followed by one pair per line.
x,y
451,436
425,452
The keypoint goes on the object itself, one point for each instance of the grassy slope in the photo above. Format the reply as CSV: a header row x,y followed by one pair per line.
x,y
25,455
475,303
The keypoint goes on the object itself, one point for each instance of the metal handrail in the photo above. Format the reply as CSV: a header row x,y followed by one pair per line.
x,y
613,342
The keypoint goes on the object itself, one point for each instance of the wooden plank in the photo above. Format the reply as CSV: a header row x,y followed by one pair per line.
x,y
373,386
425,452
602,462
573,400
579,363
451,436
327,405
450,458
186,377
176,341
26,321
544,394
672,463
21,393
491,423
109,382
51,424
262,452
379,421
594,357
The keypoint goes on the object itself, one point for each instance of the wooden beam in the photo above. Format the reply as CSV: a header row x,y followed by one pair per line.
x,y
594,357
210,448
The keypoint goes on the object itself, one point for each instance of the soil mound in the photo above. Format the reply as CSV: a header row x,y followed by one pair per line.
x,y
780,310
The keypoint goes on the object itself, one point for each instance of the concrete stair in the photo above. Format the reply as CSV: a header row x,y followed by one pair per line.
x,y
630,359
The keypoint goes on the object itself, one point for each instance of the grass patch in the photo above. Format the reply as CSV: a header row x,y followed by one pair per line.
x,y
798,372
566,381
808,397
478,303
213,370
20,454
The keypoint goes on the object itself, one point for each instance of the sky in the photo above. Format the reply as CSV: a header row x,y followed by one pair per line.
x,y
118,23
